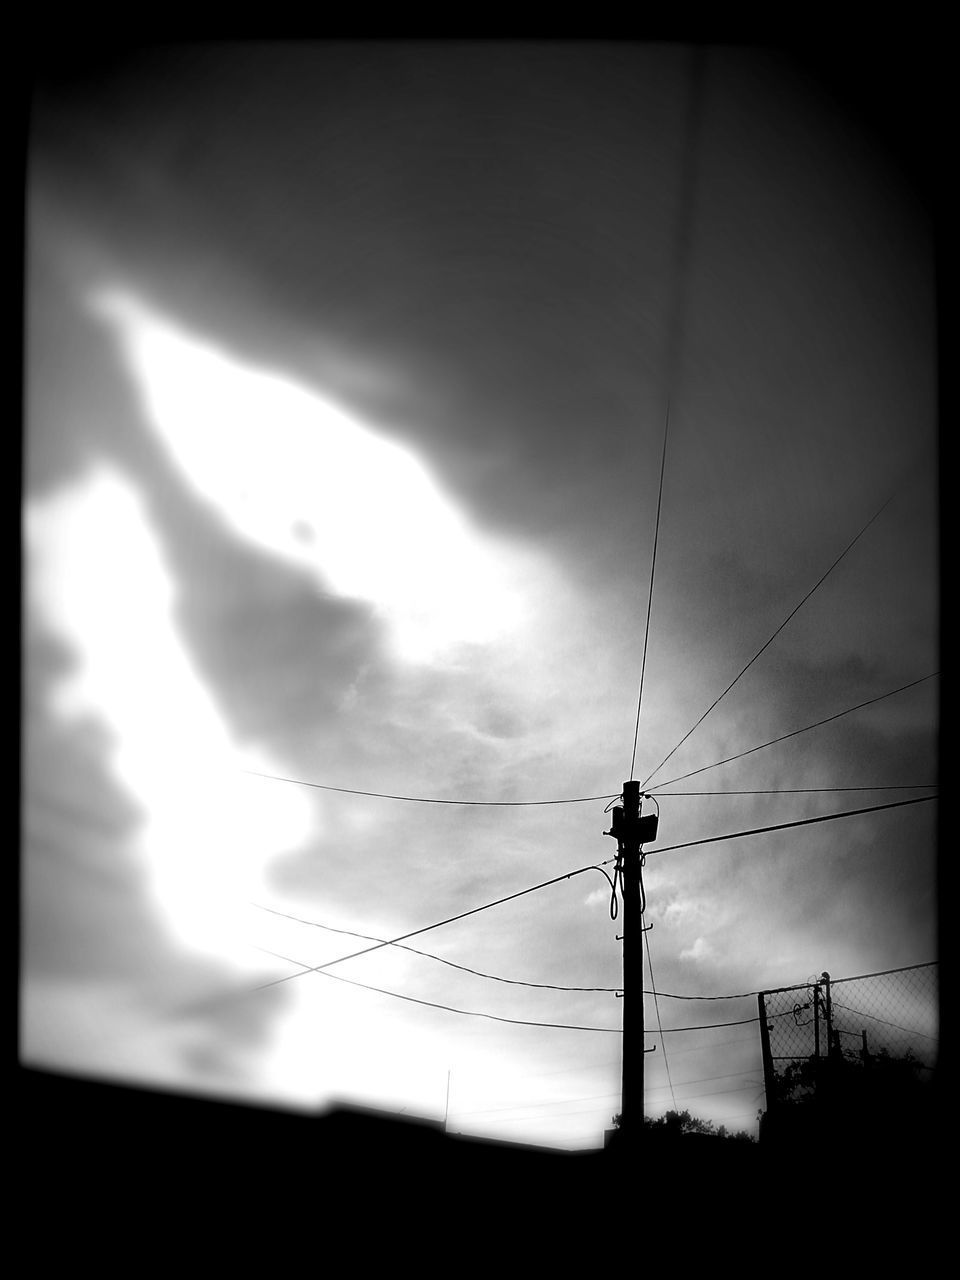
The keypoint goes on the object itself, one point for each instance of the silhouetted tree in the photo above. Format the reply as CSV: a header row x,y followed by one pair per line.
x,y
679,1123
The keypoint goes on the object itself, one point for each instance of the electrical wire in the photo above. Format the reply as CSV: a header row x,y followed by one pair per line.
x,y
524,1106
551,1115
883,973
667,995
431,1004
617,880
802,822
656,1002
682,1084
861,1013
797,791
438,924
710,1026
597,1097
479,973
351,933
709,1093
704,1048
763,647
676,316
523,1022
386,795
653,569
612,796
793,733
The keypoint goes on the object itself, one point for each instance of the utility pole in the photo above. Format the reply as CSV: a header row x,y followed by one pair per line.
x,y
630,831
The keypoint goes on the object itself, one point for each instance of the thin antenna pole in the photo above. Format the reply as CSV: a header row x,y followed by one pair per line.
x,y
446,1108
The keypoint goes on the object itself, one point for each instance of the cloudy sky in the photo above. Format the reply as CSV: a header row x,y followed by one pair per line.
x,y
348,374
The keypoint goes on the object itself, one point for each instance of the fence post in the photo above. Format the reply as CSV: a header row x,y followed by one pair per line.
x,y
832,1042
769,1083
816,1026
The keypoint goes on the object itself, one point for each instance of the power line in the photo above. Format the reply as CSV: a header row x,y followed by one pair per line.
x,y
796,791
552,1115
385,795
527,1106
428,955
653,567
596,1097
514,804
740,1115
743,995
712,1093
794,732
656,1005
431,1004
861,1013
666,995
546,986
794,611
882,973
426,928
857,977
479,973
569,1071
709,1026
729,1075
523,1022
703,1048
802,822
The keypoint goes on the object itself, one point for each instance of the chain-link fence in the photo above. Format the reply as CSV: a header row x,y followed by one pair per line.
x,y
850,1053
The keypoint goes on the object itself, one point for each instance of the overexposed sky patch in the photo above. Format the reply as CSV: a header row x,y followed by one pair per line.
x,y
296,474
99,584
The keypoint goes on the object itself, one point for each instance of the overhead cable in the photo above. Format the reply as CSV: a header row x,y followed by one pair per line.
x,y
431,1004
656,1005
802,822
546,986
710,1026
615,795
523,1022
862,1013
790,615
795,791
793,733
386,795
653,569
450,920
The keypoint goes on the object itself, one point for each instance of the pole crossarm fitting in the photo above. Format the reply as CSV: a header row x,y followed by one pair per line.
x,y
627,827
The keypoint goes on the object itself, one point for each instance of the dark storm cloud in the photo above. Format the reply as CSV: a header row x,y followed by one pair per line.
x,y
465,211
500,223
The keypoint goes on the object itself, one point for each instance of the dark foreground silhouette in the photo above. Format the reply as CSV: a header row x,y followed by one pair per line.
x,y
102,1163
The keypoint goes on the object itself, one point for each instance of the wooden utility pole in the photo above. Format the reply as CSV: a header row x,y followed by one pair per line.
x,y
630,831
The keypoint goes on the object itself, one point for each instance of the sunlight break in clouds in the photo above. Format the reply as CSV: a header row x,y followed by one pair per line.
x,y
98,582
293,473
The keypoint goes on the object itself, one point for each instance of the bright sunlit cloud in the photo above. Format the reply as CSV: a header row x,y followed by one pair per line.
x,y
98,582
293,473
